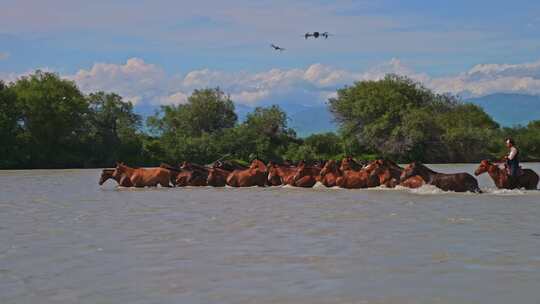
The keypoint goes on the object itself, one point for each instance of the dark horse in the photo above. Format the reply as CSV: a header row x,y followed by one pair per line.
x,y
192,175
121,179
458,182
528,179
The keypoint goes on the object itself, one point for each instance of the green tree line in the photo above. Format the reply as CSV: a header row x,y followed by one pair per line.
x,y
47,122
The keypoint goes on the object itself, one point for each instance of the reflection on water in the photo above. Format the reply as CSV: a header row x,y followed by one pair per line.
x,y
66,240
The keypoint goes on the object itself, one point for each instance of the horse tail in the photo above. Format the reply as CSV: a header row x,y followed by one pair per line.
x,y
169,167
173,172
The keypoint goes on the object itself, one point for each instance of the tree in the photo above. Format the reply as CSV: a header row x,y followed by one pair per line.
x,y
206,111
399,118
114,129
10,129
266,130
527,139
468,133
185,130
53,115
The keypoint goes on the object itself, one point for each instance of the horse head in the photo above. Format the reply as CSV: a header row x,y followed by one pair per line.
x,y
300,171
185,165
382,173
119,170
348,163
274,177
410,170
105,175
483,167
329,167
258,165
218,164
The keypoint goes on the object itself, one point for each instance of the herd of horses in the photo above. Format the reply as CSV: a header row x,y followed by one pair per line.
x,y
346,173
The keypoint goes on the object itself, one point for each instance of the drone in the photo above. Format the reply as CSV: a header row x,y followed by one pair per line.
x,y
317,35
277,48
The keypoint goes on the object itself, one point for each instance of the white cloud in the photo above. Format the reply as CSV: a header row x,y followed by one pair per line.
x,y
173,99
250,97
135,80
484,79
146,83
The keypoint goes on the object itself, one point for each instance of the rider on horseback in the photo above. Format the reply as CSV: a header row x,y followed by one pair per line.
x,y
512,161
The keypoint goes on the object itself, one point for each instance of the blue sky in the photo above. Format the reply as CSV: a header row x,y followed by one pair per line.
x,y
226,43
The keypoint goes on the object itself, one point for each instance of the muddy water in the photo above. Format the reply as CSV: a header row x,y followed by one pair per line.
x,y
67,240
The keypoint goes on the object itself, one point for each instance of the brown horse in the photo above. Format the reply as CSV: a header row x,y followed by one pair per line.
x,y
217,177
122,180
330,173
143,177
280,174
458,182
192,175
357,179
528,179
349,164
306,176
255,175
389,174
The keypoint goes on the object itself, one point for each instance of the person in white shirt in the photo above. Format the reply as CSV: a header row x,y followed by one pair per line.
x,y
512,160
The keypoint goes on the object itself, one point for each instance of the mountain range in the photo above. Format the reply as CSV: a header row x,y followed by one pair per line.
x,y
510,109
506,109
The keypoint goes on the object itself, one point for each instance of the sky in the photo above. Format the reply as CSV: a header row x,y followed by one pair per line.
x,y
157,52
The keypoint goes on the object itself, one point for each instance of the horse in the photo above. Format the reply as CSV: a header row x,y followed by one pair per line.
x,y
458,182
191,178
357,179
330,173
217,177
143,177
349,164
389,174
255,175
174,172
228,165
192,175
528,179
280,174
306,176
122,180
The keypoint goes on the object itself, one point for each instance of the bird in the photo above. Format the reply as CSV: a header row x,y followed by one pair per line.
x,y
277,48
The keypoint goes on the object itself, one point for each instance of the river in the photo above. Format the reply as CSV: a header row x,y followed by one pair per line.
x,y
67,240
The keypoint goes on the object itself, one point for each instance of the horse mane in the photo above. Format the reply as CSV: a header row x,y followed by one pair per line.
x,y
391,163
193,166
421,166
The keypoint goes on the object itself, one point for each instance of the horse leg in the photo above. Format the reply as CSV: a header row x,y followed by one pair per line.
x,y
137,182
165,183
305,182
